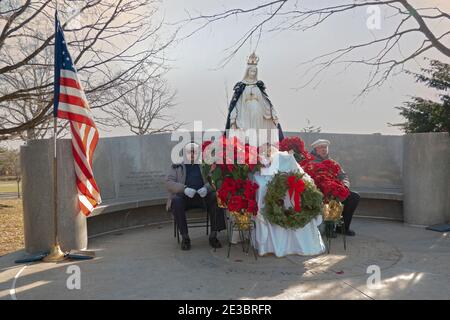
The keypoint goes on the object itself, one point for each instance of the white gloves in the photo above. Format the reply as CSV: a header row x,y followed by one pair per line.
x,y
189,192
202,192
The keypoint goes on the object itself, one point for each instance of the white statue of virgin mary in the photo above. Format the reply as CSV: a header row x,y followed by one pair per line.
x,y
250,107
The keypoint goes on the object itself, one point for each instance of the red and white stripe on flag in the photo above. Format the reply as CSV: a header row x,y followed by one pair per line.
x,y
74,107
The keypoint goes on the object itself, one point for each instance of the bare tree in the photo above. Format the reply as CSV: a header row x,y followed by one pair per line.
x,y
283,15
21,111
110,41
310,127
144,106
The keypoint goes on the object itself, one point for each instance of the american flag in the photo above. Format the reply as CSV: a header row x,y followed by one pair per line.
x,y
70,103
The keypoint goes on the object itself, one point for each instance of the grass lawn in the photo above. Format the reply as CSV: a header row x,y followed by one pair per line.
x,y
8,186
11,225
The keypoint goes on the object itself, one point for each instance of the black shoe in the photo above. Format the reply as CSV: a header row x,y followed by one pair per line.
x,y
350,233
186,244
215,243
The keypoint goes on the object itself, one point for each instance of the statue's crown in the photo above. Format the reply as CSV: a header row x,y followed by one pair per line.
x,y
253,59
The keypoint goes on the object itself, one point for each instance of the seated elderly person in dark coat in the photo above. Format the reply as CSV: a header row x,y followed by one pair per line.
x,y
187,189
320,153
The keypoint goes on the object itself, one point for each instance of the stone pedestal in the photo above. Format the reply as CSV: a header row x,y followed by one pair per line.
x,y
37,183
426,178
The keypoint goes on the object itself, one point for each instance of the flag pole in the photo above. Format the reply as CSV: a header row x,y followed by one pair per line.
x,y
56,253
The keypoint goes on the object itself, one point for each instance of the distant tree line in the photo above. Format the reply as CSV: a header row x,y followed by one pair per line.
x,y
9,163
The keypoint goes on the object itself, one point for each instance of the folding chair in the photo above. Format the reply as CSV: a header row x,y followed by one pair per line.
x,y
193,223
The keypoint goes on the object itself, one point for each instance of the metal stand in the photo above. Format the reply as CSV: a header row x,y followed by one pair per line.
x,y
245,236
329,229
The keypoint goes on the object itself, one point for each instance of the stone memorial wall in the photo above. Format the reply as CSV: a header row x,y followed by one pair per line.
x,y
132,169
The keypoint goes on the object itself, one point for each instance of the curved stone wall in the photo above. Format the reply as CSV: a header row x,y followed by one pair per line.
x,y
130,171
372,161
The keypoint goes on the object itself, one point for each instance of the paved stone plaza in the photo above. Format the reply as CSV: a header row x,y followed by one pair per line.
x,y
146,263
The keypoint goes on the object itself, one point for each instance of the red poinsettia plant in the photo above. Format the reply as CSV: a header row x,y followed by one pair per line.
x,y
229,162
231,158
237,158
296,145
325,174
239,195
326,177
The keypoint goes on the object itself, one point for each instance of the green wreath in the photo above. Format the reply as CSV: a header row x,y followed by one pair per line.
x,y
276,213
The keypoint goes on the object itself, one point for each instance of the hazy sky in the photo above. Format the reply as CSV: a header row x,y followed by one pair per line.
x,y
203,90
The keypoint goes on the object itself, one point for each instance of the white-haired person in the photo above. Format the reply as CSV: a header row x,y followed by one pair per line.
x,y
187,189
320,151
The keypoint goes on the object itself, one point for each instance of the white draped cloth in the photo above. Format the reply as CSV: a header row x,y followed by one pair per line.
x,y
270,238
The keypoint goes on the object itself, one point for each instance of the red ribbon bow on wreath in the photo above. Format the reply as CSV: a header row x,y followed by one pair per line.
x,y
296,188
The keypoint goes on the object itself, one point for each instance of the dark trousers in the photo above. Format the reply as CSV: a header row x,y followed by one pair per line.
x,y
181,203
350,205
